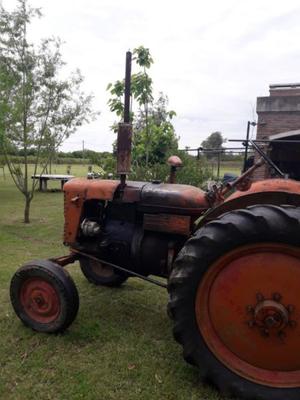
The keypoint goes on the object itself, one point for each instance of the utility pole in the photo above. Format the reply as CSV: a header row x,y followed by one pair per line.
x,y
219,162
83,151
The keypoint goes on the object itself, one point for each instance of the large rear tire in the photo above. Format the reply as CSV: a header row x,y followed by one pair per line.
x,y
44,296
101,274
234,298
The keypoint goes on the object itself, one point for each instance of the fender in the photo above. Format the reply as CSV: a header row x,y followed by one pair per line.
x,y
269,191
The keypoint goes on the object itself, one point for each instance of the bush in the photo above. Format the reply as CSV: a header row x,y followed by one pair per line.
x,y
194,172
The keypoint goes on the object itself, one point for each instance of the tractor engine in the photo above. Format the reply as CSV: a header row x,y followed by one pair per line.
x,y
140,227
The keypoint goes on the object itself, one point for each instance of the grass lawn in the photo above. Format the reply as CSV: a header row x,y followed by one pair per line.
x,y
119,347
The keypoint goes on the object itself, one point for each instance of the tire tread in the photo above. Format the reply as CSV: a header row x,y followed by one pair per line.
x,y
254,224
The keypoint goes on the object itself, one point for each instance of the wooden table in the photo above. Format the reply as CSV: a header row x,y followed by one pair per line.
x,y
44,178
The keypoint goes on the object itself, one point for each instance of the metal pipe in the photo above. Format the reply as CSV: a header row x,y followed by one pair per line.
x,y
265,141
266,158
223,150
125,130
245,175
127,271
127,88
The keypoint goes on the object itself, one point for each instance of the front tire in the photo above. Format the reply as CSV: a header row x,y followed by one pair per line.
x,y
234,298
44,296
101,274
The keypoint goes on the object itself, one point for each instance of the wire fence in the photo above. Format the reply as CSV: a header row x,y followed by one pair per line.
x,y
230,160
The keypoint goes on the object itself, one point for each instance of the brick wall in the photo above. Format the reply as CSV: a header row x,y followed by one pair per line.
x,y
285,92
276,114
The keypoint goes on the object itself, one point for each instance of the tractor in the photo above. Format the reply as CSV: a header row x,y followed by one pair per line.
x,y
230,257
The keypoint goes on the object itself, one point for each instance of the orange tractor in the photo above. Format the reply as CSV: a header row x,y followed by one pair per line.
x,y
233,276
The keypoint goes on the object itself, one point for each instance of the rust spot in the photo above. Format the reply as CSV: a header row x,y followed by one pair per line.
x,y
124,148
176,224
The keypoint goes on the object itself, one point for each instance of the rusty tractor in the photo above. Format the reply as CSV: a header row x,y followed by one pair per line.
x,y
233,276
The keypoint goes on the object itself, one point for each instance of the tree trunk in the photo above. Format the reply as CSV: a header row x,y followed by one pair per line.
x,y
27,209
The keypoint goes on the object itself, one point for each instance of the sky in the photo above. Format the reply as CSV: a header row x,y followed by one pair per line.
x,y
211,58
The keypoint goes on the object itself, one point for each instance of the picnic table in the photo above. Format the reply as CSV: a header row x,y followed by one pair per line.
x,y
44,178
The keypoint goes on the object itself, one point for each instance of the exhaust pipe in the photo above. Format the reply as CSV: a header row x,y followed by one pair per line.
x,y
125,129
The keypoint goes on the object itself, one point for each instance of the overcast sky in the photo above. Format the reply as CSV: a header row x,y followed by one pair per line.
x,y
212,58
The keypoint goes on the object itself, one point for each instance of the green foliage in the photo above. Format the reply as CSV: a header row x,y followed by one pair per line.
x,y
141,84
194,172
2,161
142,57
38,110
141,88
162,141
153,133
116,102
213,141
107,162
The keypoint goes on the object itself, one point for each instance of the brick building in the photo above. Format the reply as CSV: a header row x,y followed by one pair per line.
x,y
279,118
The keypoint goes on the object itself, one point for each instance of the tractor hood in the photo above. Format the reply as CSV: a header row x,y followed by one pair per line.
x,y
164,195
174,196
103,189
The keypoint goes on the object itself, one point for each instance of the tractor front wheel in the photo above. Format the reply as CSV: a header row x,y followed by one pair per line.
x,y
101,274
234,298
44,296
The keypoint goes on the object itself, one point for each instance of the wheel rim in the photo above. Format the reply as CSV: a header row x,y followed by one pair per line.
x,y
40,300
248,311
101,270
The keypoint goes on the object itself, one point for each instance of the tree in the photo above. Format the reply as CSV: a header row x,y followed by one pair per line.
x,y
163,140
153,132
38,110
213,141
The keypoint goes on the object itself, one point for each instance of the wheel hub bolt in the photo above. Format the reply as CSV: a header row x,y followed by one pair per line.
x,y
292,324
251,324
265,332
259,297
250,309
290,308
277,296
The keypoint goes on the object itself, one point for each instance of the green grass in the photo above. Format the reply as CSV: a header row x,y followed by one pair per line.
x,y
119,347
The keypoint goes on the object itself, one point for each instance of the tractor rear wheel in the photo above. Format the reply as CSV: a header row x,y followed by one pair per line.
x,y
234,298
44,296
101,274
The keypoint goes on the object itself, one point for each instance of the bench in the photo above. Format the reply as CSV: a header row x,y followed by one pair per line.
x,y
44,178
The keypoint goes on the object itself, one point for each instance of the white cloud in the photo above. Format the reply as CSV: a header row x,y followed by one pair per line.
x,y
212,59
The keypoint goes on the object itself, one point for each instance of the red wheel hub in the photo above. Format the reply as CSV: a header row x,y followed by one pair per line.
x,y
40,300
247,308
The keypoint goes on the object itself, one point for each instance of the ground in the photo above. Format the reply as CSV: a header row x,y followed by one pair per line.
x,y
119,347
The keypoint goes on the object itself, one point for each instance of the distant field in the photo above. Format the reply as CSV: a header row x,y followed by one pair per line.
x,y
76,170
82,170
120,346
233,167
